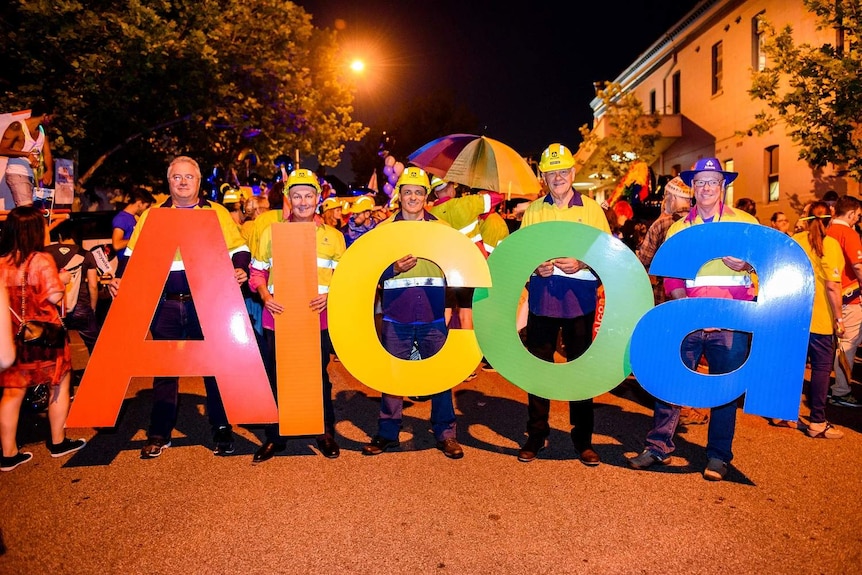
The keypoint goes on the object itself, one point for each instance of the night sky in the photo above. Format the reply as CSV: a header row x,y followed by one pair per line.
x,y
526,72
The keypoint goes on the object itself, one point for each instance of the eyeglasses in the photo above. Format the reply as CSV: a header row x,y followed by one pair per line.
x,y
704,183
177,178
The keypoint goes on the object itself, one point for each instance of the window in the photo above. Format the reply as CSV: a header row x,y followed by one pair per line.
x,y
772,172
652,101
677,96
716,68
728,198
758,38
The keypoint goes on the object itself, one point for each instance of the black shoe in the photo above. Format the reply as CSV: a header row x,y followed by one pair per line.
x,y
531,448
11,462
380,444
65,447
327,446
451,448
267,451
223,439
154,447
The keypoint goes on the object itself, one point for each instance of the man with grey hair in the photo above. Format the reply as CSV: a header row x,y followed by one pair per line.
x,y
176,318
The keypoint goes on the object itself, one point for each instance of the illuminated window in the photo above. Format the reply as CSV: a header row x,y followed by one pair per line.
x,y
758,38
716,68
728,198
772,173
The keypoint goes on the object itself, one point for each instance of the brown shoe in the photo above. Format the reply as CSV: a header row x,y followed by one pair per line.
x,y
451,448
693,416
590,457
531,449
380,444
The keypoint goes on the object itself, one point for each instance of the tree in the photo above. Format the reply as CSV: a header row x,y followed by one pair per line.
x,y
815,90
150,79
631,134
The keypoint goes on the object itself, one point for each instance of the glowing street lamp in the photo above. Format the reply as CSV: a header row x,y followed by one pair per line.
x,y
357,66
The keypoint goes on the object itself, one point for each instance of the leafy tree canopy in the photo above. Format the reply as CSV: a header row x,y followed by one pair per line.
x,y
134,82
631,134
815,90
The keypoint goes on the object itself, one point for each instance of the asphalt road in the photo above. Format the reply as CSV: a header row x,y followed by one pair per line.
x,y
789,505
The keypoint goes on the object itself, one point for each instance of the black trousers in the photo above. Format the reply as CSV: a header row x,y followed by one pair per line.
x,y
271,431
541,341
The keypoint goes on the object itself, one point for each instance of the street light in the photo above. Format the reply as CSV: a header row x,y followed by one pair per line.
x,y
357,66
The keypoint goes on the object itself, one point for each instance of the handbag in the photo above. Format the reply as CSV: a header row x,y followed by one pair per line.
x,y
36,333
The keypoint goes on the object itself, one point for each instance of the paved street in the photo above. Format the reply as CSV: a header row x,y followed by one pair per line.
x,y
790,504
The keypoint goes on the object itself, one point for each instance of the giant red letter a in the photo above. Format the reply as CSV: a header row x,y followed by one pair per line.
x,y
228,351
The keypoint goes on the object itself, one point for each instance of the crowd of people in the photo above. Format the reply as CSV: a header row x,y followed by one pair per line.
x,y
416,308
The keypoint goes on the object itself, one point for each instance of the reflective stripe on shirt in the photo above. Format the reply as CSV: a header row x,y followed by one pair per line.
x,y
720,281
401,283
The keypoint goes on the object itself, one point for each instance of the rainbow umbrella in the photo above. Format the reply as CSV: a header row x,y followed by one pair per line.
x,y
478,162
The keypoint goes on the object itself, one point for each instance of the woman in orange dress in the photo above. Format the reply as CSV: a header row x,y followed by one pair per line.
x,y
21,242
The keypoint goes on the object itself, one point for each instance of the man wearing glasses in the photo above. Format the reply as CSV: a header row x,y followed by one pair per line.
x,y
175,317
779,222
562,302
725,350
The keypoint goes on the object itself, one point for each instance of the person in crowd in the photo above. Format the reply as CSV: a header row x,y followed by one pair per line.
x,y
234,202
846,212
414,325
725,350
303,192
124,222
7,342
275,198
176,317
778,221
676,205
831,198
493,229
360,221
747,205
824,252
82,289
331,211
562,300
26,145
462,213
33,283
254,207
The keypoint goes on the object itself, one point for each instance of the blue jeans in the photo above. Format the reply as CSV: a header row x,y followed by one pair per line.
x,y
398,339
725,351
177,320
821,354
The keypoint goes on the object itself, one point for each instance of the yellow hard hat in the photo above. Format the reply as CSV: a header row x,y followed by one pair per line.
x,y
301,177
362,204
556,157
230,195
437,182
413,176
329,204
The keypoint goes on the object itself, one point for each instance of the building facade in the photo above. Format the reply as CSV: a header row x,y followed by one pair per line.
x,y
697,76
